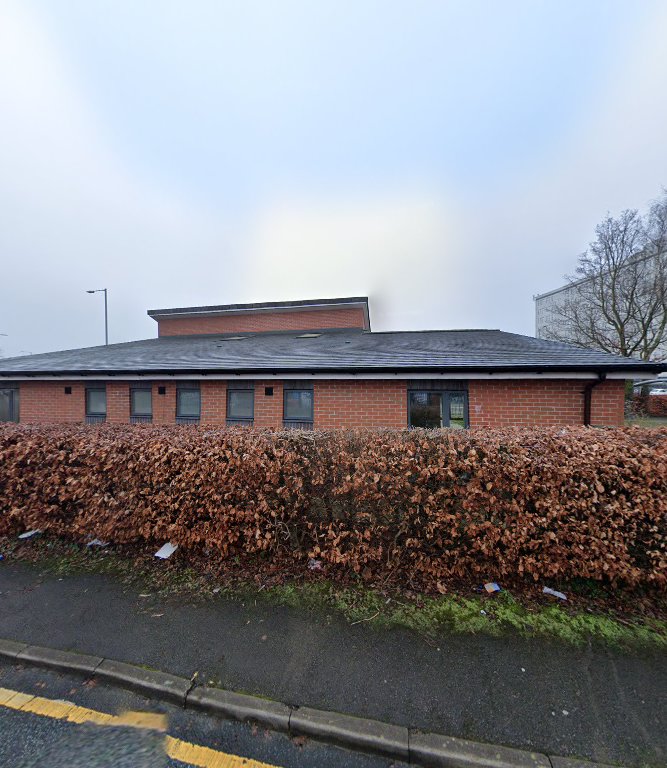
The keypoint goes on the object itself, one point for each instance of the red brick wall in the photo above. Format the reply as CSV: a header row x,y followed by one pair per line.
x,y
213,402
555,402
608,404
345,403
268,408
164,406
42,401
350,317
118,402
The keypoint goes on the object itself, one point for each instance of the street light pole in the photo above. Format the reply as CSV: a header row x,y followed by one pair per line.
x,y
106,315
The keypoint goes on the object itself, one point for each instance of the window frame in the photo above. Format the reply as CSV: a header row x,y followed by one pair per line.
x,y
299,386
236,420
445,399
140,418
187,387
96,417
14,403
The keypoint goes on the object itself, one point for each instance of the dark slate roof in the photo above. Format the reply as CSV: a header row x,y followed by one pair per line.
x,y
261,306
341,350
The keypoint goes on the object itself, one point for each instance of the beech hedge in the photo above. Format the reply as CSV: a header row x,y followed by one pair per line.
x,y
416,506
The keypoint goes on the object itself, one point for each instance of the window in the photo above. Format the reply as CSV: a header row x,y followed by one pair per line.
x,y
141,405
188,404
96,404
9,404
298,406
425,409
430,409
457,410
240,405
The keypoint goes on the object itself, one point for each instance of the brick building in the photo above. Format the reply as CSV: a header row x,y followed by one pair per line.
x,y
316,364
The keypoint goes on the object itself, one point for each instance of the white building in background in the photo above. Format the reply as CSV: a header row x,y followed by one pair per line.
x,y
546,318
549,321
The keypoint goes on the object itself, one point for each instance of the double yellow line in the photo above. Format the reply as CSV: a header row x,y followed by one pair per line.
x,y
176,749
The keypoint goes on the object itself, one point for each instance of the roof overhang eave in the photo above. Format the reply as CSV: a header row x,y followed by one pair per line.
x,y
640,369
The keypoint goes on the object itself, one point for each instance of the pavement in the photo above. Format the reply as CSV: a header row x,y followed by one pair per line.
x,y
592,703
29,740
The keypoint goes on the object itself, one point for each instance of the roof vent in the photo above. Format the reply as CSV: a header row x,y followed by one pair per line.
x,y
309,335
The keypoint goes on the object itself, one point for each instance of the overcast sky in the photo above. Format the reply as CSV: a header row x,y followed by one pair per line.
x,y
449,159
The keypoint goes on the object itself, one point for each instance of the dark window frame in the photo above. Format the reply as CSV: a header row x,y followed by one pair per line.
x,y
14,402
231,421
187,387
140,418
299,386
95,417
445,394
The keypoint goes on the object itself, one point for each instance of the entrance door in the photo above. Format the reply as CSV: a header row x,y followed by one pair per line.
x,y
432,410
9,404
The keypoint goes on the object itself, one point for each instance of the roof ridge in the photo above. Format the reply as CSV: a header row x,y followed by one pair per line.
x,y
249,307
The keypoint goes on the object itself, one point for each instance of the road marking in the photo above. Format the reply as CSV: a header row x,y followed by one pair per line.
x,y
204,757
176,749
153,720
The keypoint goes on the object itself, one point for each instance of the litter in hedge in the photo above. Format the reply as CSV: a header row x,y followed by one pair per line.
x,y
166,550
97,543
554,593
29,534
390,506
314,565
492,587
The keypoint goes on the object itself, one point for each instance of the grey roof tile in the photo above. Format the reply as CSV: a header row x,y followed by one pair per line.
x,y
341,350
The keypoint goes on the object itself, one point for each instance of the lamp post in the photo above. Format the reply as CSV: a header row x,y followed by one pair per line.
x,y
106,316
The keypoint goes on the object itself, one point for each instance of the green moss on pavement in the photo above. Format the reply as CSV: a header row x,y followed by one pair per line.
x,y
430,617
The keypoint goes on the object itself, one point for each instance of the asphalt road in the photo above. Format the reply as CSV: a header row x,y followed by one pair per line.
x,y
531,694
35,741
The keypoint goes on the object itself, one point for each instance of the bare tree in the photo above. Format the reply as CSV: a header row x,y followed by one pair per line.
x,y
617,300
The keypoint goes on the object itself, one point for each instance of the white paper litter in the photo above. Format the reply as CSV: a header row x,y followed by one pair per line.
x,y
29,534
97,543
559,595
166,550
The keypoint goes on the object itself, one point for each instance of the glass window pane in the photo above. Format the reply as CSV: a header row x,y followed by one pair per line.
x,y
240,404
96,401
6,405
142,402
299,404
425,410
457,410
188,403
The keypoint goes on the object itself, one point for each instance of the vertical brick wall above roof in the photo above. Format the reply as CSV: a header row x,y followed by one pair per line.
x,y
257,322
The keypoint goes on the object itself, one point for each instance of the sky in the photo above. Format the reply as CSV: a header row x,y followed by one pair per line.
x,y
449,159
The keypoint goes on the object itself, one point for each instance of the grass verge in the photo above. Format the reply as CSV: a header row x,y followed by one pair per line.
x,y
574,622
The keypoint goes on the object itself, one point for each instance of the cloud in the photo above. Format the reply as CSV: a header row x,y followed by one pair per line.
x,y
522,239
74,215
394,247
431,252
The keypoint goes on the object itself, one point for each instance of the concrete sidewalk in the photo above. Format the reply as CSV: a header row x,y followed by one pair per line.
x,y
529,694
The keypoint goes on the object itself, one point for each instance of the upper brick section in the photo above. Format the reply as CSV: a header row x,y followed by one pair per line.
x,y
269,316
